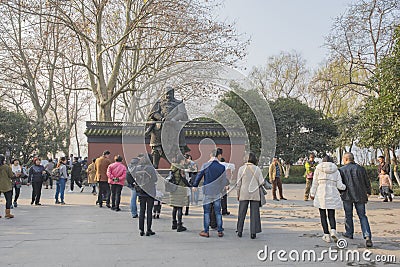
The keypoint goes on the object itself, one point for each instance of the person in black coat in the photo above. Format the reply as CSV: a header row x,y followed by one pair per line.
x,y
143,177
358,189
35,177
76,175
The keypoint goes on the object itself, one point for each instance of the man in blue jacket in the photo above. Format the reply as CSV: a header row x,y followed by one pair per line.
x,y
215,180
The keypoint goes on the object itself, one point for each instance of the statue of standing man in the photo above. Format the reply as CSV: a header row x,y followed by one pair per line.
x,y
165,126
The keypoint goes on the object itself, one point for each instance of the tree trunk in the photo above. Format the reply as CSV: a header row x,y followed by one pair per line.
x,y
77,139
387,154
105,112
286,170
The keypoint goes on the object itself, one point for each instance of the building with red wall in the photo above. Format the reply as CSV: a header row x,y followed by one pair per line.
x,y
127,140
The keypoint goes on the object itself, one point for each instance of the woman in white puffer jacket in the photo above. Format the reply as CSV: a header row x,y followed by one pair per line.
x,y
325,192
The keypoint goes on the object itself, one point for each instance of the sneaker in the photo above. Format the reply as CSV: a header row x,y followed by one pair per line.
x,y
62,203
117,209
326,238
135,216
70,191
381,197
368,242
276,199
334,235
57,202
158,216
282,198
220,234
82,188
204,234
390,199
15,204
385,200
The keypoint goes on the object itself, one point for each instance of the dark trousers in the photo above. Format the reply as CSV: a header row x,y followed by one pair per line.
x,y
116,195
8,196
157,208
146,207
177,214
224,204
277,183
324,221
36,192
255,221
77,180
104,188
17,192
49,182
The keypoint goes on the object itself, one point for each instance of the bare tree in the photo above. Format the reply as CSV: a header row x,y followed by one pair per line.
x,y
285,75
361,37
156,34
330,93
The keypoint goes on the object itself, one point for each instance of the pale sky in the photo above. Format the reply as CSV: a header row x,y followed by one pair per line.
x,y
284,25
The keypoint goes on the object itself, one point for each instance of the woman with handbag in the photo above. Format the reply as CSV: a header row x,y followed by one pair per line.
x,y
16,180
36,177
116,173
179,197
250,179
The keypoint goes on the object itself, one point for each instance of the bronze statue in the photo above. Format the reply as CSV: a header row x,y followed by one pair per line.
x,y
166,121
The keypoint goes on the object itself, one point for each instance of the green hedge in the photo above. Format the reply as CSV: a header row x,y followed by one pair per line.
x,y
296,175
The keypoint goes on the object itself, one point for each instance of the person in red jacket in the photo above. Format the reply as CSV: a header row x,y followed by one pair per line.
x,y
116,173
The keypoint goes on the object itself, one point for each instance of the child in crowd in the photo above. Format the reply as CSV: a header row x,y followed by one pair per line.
x,y
157,204
385,185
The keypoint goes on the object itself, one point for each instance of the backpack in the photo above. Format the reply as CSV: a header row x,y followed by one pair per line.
x,y
55,174
141,179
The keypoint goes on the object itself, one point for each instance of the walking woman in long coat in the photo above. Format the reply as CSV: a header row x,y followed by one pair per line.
x,y
325,192
249,180
6,185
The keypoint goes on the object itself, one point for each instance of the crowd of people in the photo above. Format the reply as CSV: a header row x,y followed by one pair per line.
x,y
329,187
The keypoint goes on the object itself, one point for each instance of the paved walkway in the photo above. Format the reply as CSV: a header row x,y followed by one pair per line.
x,y
81,234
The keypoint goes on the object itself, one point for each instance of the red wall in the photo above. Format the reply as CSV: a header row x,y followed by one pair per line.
x,y
200,153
